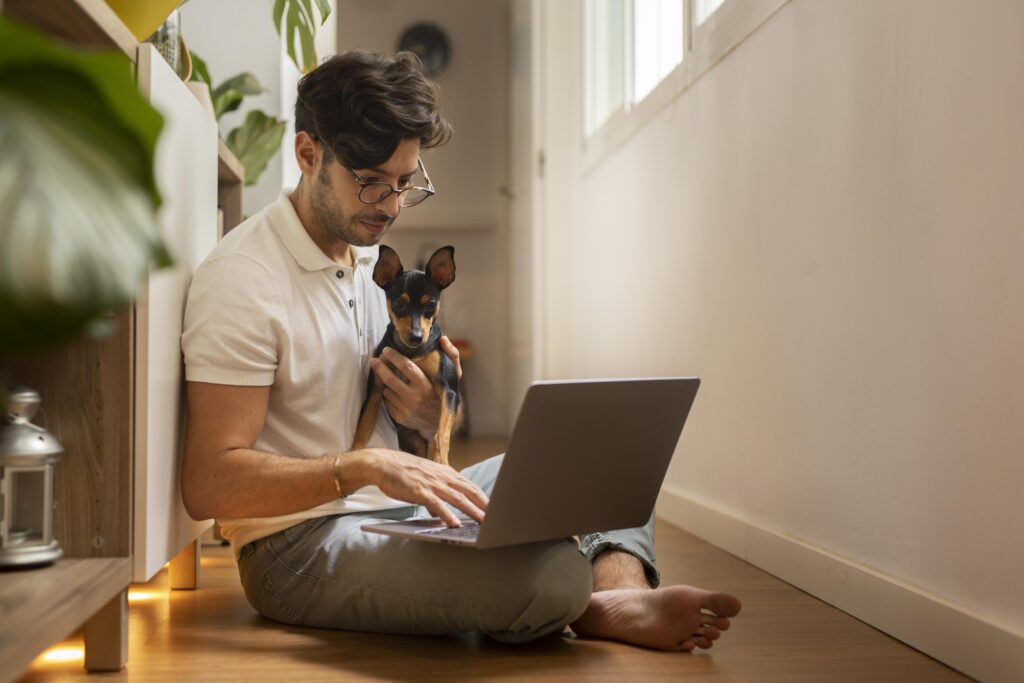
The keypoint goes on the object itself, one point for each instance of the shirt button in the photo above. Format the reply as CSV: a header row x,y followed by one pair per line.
x,y
351,303
340,274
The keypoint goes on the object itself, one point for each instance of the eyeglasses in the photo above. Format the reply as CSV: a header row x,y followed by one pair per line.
x,y
371,193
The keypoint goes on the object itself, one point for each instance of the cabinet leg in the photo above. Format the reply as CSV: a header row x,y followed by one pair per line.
x,y
184,568
106,636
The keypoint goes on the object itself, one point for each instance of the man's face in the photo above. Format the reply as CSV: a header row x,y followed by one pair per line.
x,y
334,198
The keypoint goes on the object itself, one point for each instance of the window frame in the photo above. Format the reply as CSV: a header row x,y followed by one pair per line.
x,y
703,47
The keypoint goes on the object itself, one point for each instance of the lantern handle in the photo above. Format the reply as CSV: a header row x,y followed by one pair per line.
x,y
22,403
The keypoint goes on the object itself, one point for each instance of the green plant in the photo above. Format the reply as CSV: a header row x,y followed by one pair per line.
x,y
78,198
257,140
298,21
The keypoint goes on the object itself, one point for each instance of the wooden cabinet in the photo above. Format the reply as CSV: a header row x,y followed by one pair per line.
x,y
117,405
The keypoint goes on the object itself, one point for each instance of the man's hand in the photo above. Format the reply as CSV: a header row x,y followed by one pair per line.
x,y
417,480
408,393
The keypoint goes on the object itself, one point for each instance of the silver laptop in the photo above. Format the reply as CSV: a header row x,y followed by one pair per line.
x,y
584,456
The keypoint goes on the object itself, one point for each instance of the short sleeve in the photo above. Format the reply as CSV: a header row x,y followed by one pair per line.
x,y
234,323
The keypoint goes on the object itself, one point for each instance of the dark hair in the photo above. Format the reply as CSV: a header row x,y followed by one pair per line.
x,y
363,104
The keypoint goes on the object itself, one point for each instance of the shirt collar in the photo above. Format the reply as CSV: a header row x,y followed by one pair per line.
x,y
303,249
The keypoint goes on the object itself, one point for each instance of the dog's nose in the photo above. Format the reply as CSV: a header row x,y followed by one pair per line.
x,y
415,337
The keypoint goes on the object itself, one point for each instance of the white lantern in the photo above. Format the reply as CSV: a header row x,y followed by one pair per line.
x,y
28,455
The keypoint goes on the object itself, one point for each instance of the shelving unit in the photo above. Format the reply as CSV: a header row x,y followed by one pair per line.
x,y
38,606
89,403
231,180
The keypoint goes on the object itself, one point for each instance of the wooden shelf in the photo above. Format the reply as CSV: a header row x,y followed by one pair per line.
x,y
230,181
229,168
42,606
86,23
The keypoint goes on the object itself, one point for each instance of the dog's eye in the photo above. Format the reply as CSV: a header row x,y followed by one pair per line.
x,y
398,305
429,310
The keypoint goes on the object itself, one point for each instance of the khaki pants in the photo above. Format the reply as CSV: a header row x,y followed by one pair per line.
x,y
328,573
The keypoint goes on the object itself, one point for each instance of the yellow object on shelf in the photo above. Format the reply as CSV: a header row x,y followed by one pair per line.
x,y
142,17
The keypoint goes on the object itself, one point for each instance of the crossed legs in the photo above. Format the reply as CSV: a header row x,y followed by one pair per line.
x,y
328,573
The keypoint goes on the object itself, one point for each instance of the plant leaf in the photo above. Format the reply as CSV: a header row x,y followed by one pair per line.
x,y
279,6
325,10
296,18
228,95
256,142
78,231
108,74
307,12
200,72
245,83
291,27
308,50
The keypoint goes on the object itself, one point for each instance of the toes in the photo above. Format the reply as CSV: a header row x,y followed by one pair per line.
x,y
711,633
722,604
687,646
702,642
721,623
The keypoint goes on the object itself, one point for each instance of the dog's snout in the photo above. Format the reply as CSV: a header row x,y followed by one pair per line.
x,y
415,333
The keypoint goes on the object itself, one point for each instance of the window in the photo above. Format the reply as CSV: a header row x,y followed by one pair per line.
x,y
639,55
605,61
703,9
657,43
624,65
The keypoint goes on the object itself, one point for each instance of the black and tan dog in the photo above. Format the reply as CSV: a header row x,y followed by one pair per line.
x,y
413,299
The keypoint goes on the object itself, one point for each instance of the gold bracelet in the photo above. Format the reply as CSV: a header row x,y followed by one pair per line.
x,y
337,474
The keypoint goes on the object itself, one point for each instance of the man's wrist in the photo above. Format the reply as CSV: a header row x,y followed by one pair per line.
x,y
351,472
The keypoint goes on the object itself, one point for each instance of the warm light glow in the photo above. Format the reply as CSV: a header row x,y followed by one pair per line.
x,y
59,654
144,596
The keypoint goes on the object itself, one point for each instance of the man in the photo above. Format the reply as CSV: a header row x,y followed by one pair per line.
x,y
281,322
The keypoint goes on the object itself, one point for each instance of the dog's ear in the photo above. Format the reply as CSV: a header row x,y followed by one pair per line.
x,y
388,267
441,267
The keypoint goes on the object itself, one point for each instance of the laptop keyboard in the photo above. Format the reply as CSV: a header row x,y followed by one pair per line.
x,y
466,532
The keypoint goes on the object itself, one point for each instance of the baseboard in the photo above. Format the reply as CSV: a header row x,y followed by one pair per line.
x,y
926,622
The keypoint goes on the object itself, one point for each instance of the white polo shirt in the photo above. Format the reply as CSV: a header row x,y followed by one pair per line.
x,y
268,307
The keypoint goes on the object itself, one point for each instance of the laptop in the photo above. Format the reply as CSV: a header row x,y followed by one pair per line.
x,y
584,456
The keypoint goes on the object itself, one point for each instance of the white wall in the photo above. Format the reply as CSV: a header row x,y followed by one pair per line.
x,y
827,229
471,174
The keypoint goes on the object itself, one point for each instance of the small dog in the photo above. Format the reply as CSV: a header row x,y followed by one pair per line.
x,y
413,299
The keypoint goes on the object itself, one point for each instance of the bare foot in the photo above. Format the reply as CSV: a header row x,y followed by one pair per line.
x,y
671,618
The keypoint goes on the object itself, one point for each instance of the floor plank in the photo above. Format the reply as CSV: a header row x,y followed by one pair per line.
x,y
782,634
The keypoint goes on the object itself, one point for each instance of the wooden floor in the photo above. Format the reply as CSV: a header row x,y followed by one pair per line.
x,y
212,634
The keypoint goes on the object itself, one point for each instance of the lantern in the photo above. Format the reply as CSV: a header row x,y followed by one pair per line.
x,y
28,455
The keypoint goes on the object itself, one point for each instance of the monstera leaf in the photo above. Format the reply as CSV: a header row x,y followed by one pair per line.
x,y
298,21
78,232
255,142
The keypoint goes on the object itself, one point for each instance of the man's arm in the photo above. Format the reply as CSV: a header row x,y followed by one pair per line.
x,y
222,476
